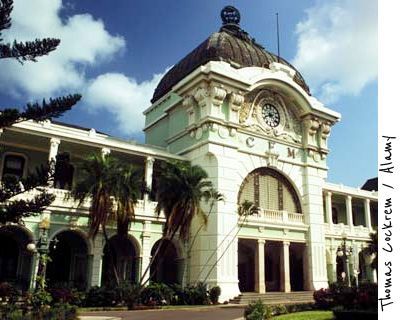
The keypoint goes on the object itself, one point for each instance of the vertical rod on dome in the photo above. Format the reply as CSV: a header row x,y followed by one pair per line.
x,y
277,36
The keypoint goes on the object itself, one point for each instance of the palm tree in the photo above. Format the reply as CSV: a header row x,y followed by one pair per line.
x,y
114,188
181,188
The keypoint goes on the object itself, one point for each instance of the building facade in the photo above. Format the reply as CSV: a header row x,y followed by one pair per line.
x,y
247,117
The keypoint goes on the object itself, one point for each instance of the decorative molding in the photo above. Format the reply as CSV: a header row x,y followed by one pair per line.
x,y
250,116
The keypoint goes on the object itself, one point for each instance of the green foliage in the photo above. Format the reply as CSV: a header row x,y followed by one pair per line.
x,y
114,187
196,294
40,299
157,294
8,292
180,189
101,297
280,309
323,299
257,311
67,295
53,108
215,292
363,297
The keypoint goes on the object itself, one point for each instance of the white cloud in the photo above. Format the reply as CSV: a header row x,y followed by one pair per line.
x,y
124,97
337,47
84,41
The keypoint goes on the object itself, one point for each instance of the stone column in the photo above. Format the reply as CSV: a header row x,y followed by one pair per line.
x,y
328,208
145,255
260,266
285,267
53,151
148,175
367,212
349,213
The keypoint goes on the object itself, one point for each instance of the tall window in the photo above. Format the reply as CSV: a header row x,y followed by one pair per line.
x,y
13,166
64,172
269,189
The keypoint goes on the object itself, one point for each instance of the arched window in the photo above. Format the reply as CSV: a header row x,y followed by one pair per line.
x,y
269,189
13,166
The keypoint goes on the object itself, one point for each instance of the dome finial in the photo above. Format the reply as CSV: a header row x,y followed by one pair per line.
x,y
230,16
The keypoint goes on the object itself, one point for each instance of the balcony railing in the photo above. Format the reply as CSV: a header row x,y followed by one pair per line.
x,y
62,203
281,217
340,229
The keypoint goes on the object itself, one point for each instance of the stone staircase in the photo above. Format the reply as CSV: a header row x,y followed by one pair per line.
x,y
274,297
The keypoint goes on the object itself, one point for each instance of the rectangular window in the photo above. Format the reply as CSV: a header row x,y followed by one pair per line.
x,y
13,166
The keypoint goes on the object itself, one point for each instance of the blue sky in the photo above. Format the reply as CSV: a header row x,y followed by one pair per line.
x,y
115,52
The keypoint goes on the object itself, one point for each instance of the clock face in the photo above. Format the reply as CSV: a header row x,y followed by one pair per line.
x,y
270,115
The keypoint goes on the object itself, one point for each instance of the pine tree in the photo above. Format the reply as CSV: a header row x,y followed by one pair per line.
x,y
11,208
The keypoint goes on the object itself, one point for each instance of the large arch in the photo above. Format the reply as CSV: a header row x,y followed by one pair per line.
x,y
15,260
269,189
69,254
121,259
168,264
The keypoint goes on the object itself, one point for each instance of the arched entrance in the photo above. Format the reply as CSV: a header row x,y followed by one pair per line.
x,y
275,195
68,252
167,267
15,259
120,257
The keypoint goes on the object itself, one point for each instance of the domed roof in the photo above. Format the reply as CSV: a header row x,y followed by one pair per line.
x,y
231,44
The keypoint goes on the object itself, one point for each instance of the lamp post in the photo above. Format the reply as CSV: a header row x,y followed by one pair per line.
x,y
41,248
344,252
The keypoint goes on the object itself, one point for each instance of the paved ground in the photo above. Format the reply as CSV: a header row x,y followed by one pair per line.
x,y
191,314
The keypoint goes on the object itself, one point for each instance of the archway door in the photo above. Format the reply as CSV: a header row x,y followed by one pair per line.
x,y
168,266
120,259
68,252
15,260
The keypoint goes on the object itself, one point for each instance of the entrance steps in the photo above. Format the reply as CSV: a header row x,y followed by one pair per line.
x,y
275,297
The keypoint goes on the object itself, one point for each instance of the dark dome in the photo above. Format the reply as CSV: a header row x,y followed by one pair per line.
x,y
231,44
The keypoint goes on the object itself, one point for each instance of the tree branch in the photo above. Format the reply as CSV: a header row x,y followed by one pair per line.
x,y
6,7
47,110
29,50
